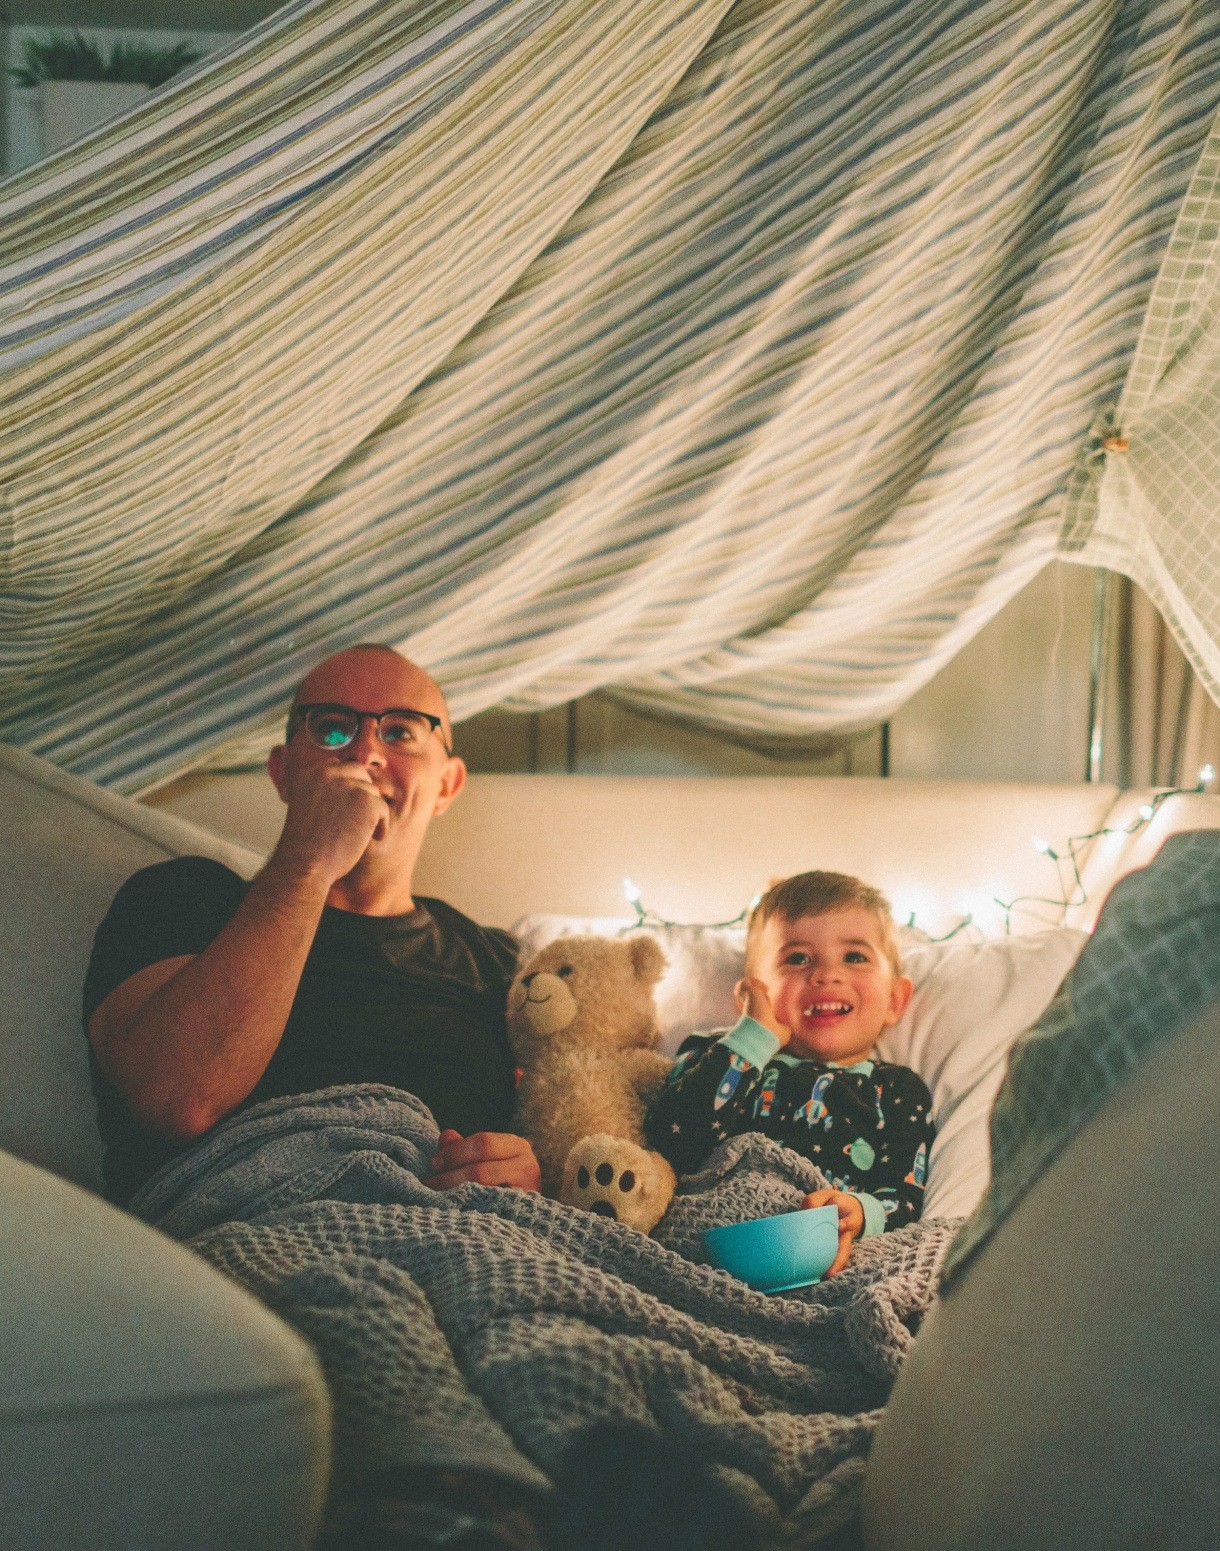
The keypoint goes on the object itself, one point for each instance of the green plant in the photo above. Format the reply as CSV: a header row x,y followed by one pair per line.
x,y
68,56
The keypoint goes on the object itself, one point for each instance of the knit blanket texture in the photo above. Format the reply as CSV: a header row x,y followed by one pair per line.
x,y
490,1329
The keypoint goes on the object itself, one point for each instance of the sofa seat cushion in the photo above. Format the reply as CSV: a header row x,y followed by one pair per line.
x,y
145,1400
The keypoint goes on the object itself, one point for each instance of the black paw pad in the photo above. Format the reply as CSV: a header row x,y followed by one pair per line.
x,y
604,1173
582,1177
604,1209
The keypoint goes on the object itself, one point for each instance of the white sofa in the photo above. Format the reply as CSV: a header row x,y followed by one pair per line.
x,y
144,1400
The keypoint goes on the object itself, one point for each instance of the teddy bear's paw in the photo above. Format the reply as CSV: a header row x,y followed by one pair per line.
x,y
615,1178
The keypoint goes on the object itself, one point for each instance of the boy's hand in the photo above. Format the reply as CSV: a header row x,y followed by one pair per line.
x,y
851,1221
485,1158
754,1000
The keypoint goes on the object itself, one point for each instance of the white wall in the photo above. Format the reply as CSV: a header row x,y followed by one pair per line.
x,y
23,134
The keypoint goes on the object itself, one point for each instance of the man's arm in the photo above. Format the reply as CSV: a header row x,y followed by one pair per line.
x,y
185,1040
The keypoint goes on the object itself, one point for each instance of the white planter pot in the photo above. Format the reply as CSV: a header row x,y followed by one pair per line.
x,y
69,109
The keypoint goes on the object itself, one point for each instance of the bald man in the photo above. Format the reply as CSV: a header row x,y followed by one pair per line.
x,y
206,994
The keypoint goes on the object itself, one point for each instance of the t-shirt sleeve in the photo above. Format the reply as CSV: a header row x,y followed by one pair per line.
x,y
506,948
162,912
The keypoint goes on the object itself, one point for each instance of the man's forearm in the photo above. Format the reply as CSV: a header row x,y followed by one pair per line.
x,y
199,1044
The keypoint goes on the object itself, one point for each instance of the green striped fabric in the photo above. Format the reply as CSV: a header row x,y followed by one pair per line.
x,y
732,356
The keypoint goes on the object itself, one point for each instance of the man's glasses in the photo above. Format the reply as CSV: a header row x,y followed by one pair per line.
x,y
336,726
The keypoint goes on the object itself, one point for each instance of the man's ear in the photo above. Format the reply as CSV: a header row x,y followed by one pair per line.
x,y
275,769
900,996
453,779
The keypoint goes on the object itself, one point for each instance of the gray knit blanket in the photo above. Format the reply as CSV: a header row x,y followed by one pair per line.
x,y
489,1329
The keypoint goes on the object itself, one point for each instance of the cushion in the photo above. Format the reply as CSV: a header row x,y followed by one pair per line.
x,y
145,1400
972,1000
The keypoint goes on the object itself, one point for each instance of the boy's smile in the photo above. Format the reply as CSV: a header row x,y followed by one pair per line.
x,y
831,983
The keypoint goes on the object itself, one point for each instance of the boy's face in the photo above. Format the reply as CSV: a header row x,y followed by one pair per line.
x,y
831,982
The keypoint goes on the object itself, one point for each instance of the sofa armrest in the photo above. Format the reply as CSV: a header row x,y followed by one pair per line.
x,y
1062,1392
145,1400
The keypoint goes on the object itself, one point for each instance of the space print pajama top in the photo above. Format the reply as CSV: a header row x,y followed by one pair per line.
x,y
867,1126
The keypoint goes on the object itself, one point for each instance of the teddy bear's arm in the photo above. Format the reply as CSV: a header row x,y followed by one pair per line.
x,y
648,1070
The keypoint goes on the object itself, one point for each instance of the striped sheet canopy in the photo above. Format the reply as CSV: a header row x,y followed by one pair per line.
x,y
740,357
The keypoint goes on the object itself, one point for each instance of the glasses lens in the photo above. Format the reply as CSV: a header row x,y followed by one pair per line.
x,y
331,729
405,730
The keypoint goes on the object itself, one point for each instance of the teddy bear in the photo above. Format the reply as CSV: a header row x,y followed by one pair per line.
x,y
582,1024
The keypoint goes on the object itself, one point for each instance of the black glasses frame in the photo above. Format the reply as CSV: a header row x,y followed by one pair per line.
x,y
299,713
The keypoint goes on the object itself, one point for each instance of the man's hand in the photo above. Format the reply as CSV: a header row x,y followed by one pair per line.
x,y
754,1000
484,1158
334,810
851,1221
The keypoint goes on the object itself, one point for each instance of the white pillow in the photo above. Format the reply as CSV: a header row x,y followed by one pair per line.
x,y
972,1001
696,990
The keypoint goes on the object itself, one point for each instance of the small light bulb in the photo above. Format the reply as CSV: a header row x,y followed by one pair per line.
x,y
1146,810
1041,846
630,893
753,905
1207,775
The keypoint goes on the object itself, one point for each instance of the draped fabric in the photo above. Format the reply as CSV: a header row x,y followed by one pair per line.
x,y
731,357
1144,498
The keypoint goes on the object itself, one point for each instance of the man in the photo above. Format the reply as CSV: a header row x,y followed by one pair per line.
x,y
205,994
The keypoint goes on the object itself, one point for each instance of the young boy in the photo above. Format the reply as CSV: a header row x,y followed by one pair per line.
x,y
823,979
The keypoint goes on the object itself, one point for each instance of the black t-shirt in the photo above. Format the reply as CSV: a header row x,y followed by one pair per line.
x,y
416,1001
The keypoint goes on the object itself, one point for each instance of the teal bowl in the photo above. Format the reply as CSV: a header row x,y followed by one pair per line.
x,y
776,1254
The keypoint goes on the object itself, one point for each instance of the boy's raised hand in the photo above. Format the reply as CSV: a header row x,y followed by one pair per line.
x,y
851,1221
754,1000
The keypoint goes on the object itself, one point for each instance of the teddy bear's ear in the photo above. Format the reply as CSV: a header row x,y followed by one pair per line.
x,y
647,959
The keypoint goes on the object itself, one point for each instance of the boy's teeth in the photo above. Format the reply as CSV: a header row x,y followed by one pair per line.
x,y
819,1007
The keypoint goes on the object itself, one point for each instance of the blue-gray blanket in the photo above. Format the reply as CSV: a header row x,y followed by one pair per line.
x,y
489,1329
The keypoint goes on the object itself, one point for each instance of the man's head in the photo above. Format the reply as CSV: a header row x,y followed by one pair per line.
x,y
416,775
824,945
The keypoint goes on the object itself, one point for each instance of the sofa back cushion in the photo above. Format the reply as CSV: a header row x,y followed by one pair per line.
x,y
699,848
67,847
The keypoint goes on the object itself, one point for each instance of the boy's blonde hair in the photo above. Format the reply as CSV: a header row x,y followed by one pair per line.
x,y
817,894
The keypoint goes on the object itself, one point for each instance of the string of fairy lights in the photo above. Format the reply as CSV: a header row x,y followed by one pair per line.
x,y
1072,892
1066,859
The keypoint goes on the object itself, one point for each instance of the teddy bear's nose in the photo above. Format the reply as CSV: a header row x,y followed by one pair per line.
x,y
527,980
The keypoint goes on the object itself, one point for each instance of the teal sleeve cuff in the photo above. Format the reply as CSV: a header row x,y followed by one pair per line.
x,y
874,1214
748,1039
